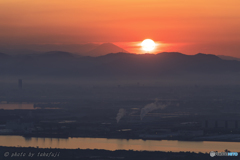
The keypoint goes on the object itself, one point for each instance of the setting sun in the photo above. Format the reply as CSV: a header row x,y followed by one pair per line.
x,y
148,45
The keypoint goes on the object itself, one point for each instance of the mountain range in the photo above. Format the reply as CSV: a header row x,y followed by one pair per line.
x,y
115,64
104,49
88,49
228,57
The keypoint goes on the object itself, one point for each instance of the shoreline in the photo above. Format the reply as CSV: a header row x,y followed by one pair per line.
x,y
126,138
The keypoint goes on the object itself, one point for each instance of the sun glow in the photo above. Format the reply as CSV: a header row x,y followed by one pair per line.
x,y
148,45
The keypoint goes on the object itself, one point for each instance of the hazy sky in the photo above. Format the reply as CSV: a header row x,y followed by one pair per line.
x,y
188,26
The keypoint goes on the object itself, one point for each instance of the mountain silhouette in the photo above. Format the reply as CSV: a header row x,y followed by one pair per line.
x,y
104,49
228,57
56,54
3,56
119,64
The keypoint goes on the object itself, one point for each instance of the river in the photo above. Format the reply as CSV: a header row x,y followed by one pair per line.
x,y
119,144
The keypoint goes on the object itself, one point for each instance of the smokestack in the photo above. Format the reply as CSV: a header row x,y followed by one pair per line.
x,y
206,124
216,124
226,124
20,83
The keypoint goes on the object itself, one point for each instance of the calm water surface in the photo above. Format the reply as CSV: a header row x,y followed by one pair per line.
x,y
12,106
28,106
119,144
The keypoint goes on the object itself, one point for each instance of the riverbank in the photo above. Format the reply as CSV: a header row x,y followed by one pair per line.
x,y
215,138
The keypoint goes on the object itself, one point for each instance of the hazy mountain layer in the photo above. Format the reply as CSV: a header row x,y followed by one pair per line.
x,y
119,64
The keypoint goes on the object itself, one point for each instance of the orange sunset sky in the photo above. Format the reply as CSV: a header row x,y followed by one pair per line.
x,y
187,26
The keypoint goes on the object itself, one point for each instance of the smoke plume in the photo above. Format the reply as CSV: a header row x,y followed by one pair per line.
x,y
150,107
122,112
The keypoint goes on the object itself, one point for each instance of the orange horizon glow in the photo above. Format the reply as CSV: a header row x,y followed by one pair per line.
x,y
186,26
135,47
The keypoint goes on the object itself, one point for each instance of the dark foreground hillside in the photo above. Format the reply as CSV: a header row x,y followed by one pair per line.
x,y
10,153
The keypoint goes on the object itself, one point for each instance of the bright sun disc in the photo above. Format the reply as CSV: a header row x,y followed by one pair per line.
x,y
148,45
